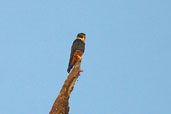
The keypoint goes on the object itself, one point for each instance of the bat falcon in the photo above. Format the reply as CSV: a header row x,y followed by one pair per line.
x,y
77,50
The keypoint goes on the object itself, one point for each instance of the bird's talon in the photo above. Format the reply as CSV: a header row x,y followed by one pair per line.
x,y
79,57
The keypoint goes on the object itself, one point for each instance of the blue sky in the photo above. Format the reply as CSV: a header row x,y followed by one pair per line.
x,y
127,65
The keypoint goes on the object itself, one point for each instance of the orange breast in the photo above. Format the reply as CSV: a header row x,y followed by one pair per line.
x,y
80,53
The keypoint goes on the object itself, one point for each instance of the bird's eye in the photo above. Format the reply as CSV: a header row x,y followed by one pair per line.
x,y
81,36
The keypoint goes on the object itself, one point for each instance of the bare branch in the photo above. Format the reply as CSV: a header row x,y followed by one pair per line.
x,y
61,105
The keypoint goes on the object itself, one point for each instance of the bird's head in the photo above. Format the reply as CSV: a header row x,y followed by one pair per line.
x,y
81,36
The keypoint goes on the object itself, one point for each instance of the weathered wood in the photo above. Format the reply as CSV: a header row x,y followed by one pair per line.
x,y
61,104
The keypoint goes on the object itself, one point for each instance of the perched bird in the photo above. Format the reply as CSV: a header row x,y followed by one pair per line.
x,y
77,50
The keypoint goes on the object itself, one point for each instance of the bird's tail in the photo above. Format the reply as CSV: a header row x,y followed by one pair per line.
x,y
69,68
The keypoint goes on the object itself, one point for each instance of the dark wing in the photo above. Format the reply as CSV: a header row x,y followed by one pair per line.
x,y
77,45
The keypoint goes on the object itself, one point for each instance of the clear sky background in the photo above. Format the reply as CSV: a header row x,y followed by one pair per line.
x,y
127,61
